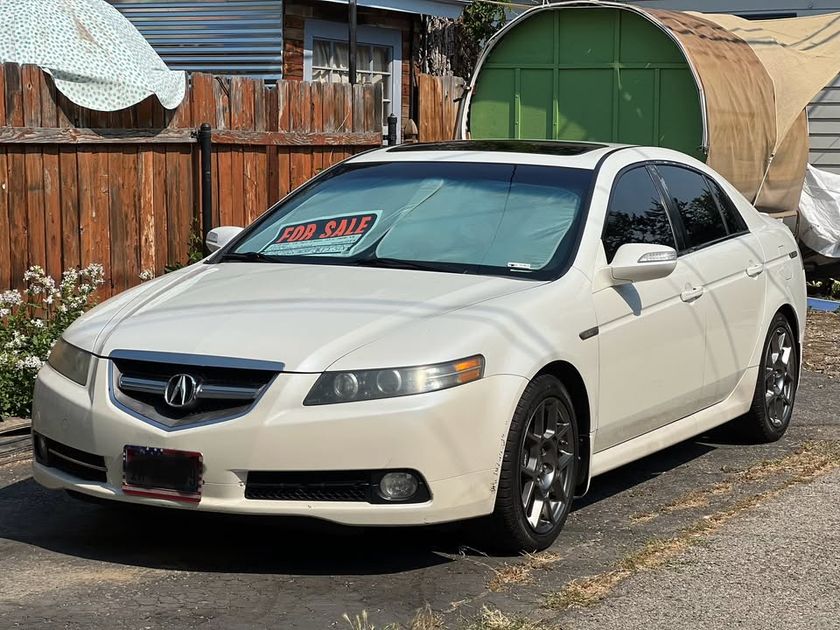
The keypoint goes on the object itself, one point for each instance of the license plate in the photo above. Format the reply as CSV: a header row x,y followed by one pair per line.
x,y
162,473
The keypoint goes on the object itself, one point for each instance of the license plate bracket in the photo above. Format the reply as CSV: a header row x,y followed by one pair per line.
x,y
163,473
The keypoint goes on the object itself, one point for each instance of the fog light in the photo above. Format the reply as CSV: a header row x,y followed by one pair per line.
x,y
398,486
42,453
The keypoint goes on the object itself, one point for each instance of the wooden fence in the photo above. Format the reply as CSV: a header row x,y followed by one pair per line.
x,y
123,188
439,100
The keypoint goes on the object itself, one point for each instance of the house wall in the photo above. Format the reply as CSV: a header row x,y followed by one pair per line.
x,y
223,37
824,110
296,12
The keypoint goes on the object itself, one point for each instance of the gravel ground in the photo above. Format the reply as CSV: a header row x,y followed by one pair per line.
x,y
778,566
822,343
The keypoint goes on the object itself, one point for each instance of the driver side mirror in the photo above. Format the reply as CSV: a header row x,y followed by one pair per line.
x,y
637,262
220,236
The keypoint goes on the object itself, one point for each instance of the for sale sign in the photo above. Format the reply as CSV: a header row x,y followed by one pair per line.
x,y
326,235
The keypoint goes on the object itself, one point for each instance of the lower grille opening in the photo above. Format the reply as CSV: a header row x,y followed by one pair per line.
x,y
67,459
335,485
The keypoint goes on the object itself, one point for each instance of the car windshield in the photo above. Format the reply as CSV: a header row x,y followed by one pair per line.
x,y
508,219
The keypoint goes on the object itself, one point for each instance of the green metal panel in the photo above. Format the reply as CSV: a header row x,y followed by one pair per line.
x,y
600,74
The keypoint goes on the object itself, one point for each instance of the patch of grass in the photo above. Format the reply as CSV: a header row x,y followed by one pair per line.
x,y
512,574
359,622
494,619
811,456
424,619
509,575
542,561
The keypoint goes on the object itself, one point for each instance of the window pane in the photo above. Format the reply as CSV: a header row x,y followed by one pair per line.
x,y
320,75
363,58
381,59
636,214
321,53
734,221
695,203
341,57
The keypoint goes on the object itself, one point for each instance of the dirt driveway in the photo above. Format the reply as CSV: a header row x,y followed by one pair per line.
x,y
75,565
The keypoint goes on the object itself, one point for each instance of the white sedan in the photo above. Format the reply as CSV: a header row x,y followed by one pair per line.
x,y
431,333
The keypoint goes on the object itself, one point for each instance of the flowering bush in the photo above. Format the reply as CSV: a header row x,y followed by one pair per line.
x,y
30,323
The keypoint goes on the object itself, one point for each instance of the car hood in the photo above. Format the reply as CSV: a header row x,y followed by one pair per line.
x,y
304,316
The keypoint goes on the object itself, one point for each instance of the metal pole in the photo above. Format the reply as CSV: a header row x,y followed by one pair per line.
x,y
206,147
352,43
392,129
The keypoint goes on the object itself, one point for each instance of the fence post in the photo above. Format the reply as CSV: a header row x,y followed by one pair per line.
x,y
206,147
392,129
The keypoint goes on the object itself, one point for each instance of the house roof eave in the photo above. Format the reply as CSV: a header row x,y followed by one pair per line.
x,y
439,8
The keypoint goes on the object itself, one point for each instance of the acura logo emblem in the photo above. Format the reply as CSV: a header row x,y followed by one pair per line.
x,y
181,391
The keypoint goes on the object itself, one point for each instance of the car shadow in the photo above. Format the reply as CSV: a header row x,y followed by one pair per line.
x,y
201,542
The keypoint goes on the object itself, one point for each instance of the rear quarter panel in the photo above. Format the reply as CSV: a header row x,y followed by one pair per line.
x,y
785,274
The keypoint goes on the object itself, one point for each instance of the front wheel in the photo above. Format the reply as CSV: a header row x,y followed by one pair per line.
x,y
772,407
539,468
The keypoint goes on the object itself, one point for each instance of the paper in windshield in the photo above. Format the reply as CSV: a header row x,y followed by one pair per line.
x,y
335,235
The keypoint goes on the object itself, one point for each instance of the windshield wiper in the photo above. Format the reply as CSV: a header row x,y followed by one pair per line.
x,y
397,263
247,257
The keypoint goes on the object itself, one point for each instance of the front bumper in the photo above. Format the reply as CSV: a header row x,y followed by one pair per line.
x,y
454,438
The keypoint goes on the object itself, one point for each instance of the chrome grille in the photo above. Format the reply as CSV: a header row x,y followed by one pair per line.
x,y
219,388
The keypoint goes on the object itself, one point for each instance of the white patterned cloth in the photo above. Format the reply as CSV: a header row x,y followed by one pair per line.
x,y
94,54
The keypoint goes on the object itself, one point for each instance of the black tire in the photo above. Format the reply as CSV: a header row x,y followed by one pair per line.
x,y
765,422
511,529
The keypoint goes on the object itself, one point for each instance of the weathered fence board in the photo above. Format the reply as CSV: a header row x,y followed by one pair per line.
x,y
439,100
123,188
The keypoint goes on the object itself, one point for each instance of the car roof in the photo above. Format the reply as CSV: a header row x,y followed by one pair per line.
x,y
585,155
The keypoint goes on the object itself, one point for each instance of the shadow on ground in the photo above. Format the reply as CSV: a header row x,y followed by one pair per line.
x,y
185,541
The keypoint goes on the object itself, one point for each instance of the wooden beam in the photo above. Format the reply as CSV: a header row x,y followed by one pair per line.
x,y
295,138
73,135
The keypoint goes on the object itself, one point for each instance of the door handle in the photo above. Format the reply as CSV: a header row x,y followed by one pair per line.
x,y
754,270
692,294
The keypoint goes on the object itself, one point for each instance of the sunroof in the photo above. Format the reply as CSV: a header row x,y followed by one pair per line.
x,y
543,147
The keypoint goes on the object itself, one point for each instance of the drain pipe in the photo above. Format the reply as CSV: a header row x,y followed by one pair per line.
x,y
206,147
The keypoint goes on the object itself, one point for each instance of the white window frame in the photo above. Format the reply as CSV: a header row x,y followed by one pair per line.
x,y
374,35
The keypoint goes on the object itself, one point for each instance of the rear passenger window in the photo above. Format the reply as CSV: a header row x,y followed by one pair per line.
x,y
696,204
636,213
734,221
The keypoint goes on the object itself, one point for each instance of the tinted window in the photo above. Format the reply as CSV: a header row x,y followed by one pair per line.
x,y
734,221
636,214
696,204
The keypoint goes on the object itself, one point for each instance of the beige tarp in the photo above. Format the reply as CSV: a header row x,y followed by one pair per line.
x,y
802,56
738,98
797,56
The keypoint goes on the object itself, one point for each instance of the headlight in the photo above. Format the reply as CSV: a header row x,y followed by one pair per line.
x,y
70,361
338,387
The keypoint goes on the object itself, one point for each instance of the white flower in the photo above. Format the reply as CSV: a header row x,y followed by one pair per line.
x,y
38,323
4,312
17,341
147,274
48,299
11,298
30,362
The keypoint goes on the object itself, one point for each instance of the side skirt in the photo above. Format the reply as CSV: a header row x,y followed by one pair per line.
x,y
675,432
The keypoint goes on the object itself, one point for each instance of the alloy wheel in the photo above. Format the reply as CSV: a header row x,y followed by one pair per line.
x,y
779,377
546,465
